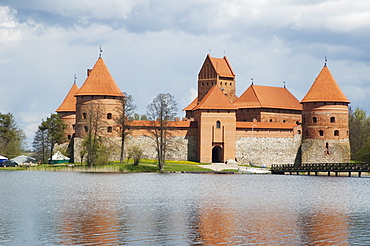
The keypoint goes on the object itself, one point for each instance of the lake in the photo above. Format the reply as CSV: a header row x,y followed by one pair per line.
x,y
69,208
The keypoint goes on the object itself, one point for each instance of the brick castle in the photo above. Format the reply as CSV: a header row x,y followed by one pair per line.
x,y
265,125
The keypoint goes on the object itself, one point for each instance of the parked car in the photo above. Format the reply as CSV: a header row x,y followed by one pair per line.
x,y
8,163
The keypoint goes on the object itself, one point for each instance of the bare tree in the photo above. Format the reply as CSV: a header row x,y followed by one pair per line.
x,y
161,111
125,113
94,123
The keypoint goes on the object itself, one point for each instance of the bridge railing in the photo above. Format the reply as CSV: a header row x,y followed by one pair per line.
x,y
317,167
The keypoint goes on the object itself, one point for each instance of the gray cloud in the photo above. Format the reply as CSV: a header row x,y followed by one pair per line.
x,y
158,46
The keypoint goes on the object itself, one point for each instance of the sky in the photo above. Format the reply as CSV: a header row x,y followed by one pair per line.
x,y
159,46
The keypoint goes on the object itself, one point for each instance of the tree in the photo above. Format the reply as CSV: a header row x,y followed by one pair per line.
x,y
359,130
50,132
125,113
92,141
135,152
41,145
161,111
11,137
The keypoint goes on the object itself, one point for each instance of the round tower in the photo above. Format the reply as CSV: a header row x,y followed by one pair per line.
x,y
325,122
67,111
96,103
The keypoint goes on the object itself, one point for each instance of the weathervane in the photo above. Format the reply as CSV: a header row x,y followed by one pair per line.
x,y
325,61
100,52
284,84
252,80
75,78
209,51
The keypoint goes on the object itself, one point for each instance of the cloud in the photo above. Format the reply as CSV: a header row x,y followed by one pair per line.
x,y
156,46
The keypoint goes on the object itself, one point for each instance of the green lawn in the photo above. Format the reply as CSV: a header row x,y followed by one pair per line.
x,y
144,166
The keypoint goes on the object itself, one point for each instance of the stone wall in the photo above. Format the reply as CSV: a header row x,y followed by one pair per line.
x,y
267,151
326,151
180,148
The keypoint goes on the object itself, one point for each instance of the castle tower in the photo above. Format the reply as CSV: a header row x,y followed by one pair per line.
x,y
216,118
216,71
325,122
67,111
98,99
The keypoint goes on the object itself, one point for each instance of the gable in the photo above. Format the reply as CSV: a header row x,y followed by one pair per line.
x,y
215,99
257,96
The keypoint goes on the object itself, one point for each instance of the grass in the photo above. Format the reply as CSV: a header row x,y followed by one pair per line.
x,y
145,165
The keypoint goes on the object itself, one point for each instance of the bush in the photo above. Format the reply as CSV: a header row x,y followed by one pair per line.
x,y
135,153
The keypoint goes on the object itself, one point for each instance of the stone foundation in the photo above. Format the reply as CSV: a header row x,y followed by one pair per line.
x,y
267,151
326,151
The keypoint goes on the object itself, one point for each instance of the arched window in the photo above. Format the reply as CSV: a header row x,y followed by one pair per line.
x,y
218,124
109,116
270,120
86,129
332,119
321,133
299,131
109,129
284,121
314,119
69,137
84,115
336,133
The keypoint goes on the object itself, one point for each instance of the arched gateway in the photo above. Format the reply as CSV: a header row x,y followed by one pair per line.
x,y
217,154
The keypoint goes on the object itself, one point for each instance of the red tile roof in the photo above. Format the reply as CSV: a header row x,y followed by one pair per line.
x,y
325,89
222,66
191,105
69,103
99,82
215,99
257,96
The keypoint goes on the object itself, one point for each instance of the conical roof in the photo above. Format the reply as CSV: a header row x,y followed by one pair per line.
x,y
69,103
99,82
325,89
258,96
215,99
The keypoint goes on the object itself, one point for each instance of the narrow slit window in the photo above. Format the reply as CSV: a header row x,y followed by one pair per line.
x,y
218,124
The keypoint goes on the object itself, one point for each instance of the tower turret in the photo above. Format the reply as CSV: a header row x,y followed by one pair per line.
x,y
67,111
325,122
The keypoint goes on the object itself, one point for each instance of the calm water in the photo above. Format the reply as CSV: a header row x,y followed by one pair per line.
x,y
53,208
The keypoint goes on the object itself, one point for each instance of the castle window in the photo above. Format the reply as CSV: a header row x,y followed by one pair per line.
x,y
321,133
69,137
314,119
284,121
86,129
109,116
336,133
74,127
84,115
332,119
270,120
299,131
218,124
231,84
109,129
220,83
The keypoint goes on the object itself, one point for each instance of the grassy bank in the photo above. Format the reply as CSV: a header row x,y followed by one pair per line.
x,y
127,167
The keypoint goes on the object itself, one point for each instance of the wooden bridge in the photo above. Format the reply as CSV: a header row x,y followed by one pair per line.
x,y
321,167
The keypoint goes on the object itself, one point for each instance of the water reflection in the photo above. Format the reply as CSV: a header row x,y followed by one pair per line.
x,y
182,209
